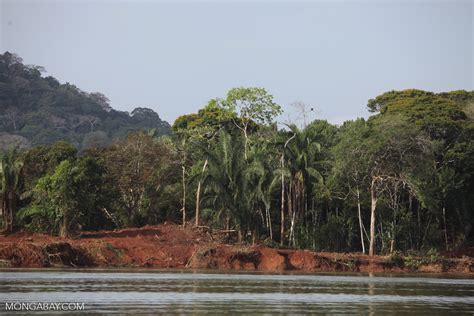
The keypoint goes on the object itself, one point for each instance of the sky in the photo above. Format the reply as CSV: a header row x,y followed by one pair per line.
x,y
174,56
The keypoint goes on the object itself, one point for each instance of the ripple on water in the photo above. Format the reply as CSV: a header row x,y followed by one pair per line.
x,y
246,293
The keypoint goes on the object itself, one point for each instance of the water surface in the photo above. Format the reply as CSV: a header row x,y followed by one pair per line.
x,y
152,292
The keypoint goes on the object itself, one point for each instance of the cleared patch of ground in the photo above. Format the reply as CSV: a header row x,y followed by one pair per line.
x,y
172,246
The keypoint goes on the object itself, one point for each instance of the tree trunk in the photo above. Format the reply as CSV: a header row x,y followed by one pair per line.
x,y
373,197
382,241
13,207
198,201
184,196
9,211
419,227
5,213
282,211
292,230
246,142
282,206
63,230
360,222
290,211
2,210
426,231
269,220
445,230
198,195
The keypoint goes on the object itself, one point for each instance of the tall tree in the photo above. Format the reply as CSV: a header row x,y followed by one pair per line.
x,y
349,175
10,176
199,131
73,197
301,154
138,165
396,152
229,183
253,106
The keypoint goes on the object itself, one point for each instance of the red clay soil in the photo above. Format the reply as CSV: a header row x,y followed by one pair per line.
x,y
171,246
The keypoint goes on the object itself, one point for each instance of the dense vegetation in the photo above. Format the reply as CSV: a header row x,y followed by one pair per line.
x,y
401,180
38,110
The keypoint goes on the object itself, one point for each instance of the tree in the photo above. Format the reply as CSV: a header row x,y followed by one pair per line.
x,y
304,110
41,160
183,137
264,159
71,198
444,117
284,172
43,111
195,132
349,175
139,166
300,155
95,139
102,100
436,114
230,183
212,117
10,176
253,105
397,152
16,118
447,182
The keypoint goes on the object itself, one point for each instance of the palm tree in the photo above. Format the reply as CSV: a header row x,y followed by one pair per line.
x,y
262,183
301,163
230,183
10,175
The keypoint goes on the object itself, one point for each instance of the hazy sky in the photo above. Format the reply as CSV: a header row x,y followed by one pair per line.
x,y
173,56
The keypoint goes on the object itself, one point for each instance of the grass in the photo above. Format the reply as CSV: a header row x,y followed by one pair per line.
x,y
118,252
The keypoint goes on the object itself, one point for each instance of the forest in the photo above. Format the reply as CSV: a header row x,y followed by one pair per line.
x,y
37,110
400,181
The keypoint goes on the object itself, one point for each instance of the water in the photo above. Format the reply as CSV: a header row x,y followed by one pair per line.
x,y
152,292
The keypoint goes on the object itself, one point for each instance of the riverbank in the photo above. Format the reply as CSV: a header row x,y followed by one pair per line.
x,y
171,246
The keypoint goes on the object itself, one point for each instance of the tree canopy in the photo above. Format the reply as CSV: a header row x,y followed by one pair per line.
x,y
38,110
401,180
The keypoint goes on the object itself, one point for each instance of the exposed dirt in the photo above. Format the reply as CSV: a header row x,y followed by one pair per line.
x,y
171,246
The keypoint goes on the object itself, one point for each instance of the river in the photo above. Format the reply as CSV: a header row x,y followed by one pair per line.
x,y
181,292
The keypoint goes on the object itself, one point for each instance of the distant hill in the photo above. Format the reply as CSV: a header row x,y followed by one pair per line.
x,y
39,110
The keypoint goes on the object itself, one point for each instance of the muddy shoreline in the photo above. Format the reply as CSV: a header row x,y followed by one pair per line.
x,y
169,246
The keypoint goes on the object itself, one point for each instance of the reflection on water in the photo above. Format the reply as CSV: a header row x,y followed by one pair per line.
x,y
164,292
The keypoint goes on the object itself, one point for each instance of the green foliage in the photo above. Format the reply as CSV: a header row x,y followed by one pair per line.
x,y
116,251
68,199
138,169
332,235
211,117
438,114
252,104
39,219
411,163
44,159
10,185
397,259
228,181
44,111
414,261
433,255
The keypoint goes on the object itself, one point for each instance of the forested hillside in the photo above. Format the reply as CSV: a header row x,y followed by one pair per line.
x,y
402,180
39,110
